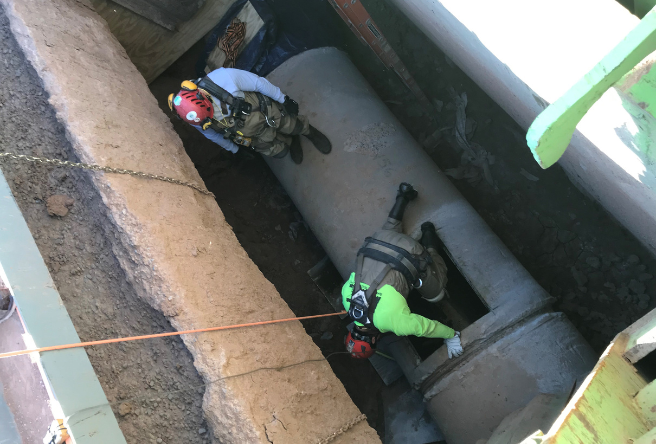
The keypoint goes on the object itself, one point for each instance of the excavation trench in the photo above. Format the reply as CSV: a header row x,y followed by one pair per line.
x,y
282,245
599,274
160,245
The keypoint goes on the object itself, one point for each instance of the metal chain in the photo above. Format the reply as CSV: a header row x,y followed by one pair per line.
x,y
86,166
345,428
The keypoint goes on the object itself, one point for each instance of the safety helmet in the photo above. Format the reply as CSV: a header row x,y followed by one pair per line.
x,y
360,346
192,105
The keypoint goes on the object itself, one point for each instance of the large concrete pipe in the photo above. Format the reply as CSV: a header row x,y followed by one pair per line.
x,y
517,350
525,55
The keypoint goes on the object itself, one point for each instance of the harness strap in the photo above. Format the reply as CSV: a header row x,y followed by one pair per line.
x,y
358,273
265,108
395,259
374,287
208,85
227,131
411,257
370,294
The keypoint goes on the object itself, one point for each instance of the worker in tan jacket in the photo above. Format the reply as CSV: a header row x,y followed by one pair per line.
x,y
236,108
388,266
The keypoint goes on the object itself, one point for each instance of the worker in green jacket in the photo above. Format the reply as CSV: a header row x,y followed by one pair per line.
x,y
389,264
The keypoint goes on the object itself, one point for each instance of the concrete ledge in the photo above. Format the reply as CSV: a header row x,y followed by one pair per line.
x,y
174,244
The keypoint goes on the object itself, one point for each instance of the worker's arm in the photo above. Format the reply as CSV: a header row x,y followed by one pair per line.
x,y
406,324
247,81
393,315
217,138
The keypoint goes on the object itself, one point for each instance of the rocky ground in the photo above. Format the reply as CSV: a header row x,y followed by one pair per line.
x,y
152,386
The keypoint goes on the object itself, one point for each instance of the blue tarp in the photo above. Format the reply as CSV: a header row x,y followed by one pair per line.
x,y
268,49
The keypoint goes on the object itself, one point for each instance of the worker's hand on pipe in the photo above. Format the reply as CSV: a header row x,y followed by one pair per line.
x,y
291,106
453,346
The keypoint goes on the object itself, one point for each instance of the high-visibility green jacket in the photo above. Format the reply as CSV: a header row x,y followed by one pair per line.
x,y
392,314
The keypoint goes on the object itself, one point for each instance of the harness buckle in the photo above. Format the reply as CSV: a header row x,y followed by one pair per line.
x,y
359,308
417,285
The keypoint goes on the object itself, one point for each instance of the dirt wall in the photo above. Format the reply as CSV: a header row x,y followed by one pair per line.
x,y
174,244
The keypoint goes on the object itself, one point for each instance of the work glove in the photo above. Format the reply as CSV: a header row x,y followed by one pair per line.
x,y
453,346
291,106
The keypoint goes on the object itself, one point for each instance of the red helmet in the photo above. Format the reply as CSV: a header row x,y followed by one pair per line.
x,y
192,106
360,346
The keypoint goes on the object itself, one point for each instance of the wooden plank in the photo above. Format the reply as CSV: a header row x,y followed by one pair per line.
x,y
551,132
646,402
642,337
603,409
167,13
151,47
647,438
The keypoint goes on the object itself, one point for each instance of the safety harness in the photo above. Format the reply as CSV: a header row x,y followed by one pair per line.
x,y
362,303
240,109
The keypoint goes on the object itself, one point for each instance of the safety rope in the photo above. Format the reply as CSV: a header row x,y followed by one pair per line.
x,y
230,42
87,166
346,427
160,335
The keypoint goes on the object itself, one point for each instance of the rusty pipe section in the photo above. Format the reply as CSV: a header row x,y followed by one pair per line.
x,y
345,196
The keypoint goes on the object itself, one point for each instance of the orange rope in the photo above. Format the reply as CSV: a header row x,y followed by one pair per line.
x,y
231,41
160,335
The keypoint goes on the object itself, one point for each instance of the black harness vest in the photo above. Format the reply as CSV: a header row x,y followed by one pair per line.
x,y
362,303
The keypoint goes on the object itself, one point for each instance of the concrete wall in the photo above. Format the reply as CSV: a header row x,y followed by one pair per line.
x,y
174,244
525,55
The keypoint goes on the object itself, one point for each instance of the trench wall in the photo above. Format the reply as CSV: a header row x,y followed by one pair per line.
x,y
174,243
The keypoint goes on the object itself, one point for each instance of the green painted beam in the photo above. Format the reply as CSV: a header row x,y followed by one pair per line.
x,y
642,337
647,438
551,132
646,402
603,409
69,373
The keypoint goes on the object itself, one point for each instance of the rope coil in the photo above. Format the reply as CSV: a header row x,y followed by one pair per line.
x,y
230,42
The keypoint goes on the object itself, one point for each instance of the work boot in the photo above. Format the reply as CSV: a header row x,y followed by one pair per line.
x,y
429,237
404,195
319,140
296,151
